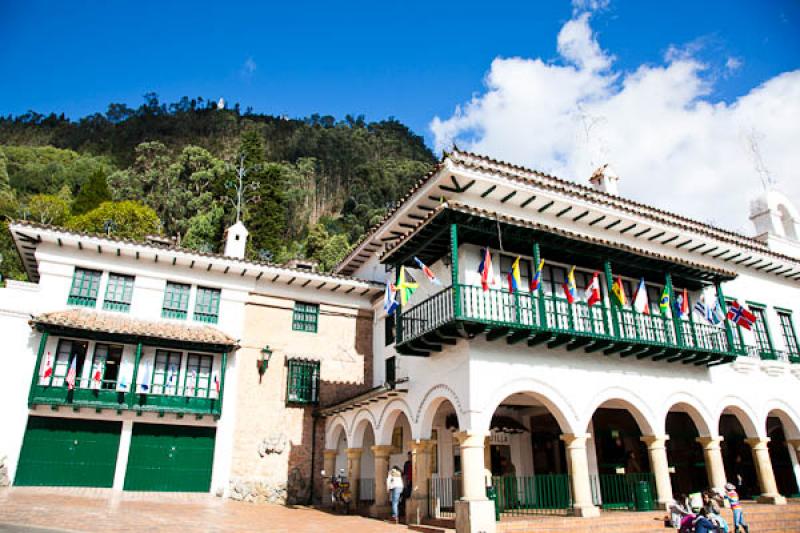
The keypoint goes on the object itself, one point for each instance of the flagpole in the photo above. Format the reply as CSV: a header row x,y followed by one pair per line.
x,y
676,319
221,378
723,306
609,285
454,270
540,289
398,312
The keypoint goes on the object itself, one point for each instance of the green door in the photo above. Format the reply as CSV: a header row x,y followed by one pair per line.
x,y
68,452
170,458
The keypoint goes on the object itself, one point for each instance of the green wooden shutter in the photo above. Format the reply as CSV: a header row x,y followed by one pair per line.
x,y
206,307
85,285
119,293
305,317
176,300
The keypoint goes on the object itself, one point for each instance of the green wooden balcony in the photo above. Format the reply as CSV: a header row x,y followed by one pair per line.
x,y
465,311
109,398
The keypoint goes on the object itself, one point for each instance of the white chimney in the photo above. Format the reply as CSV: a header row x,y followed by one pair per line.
x,y
605,179
236,240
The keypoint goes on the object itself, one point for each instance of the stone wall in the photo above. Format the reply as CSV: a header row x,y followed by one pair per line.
x,y
272,444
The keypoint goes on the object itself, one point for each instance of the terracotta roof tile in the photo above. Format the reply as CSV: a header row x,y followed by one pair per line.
x,y
124,325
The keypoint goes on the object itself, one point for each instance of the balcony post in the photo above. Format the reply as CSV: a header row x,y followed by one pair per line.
x,y
676,320
132,393
398,312
38,366
540,306
611,306
691,325
454,270
724,308
223,364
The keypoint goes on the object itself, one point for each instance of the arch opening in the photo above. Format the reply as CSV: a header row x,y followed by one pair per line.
x,y
685,454
782,456
737,455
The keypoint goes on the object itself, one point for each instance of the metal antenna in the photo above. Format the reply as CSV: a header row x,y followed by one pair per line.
x,y
753,139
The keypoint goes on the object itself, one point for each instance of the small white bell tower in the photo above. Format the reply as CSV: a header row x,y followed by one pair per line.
x,y
605,179
236,240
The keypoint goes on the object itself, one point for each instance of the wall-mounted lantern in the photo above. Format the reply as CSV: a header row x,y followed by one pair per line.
x,y
263,363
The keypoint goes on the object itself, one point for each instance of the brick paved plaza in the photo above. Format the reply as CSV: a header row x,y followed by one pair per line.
x,y
100,510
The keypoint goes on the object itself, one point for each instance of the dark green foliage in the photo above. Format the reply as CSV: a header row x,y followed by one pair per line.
x,y
127,219
314,185
93,192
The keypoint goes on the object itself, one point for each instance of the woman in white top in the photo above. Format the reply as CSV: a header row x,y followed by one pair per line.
x,y
394,485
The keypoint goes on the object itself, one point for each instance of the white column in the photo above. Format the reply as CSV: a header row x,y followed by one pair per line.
x,y
712,455
122,455
578,466
766,476
474,512
657,450
794,455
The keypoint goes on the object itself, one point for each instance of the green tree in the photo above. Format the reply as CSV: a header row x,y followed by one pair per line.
x,y
205,230
5,184
48,209
94,191
126,219
334,251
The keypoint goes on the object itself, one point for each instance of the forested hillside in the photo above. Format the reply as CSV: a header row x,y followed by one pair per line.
x,y
309,187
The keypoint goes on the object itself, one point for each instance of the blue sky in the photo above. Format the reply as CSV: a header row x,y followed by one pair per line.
x,y
411,60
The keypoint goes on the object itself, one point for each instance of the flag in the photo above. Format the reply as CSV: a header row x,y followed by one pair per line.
x,y
537,276
390,298
741,316
144,384
663,304
97,374
406,286
191,380
48,367
618,292
682,304
485,269
513,277
715,315
72,374
593,290
640,298
570,289
216,383
427,271
700,307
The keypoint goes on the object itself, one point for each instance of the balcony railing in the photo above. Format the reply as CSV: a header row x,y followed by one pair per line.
x,y
461,310
107,397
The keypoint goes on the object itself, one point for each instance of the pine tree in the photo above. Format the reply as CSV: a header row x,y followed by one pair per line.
x,y
94,191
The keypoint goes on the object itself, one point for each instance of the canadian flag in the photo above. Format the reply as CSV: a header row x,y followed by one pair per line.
x,y
593,290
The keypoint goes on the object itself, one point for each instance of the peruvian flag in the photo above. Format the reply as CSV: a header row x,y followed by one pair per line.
x,y
72,374
592,293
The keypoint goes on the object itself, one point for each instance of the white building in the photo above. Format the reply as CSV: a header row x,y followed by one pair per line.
x,y
572,408
155,334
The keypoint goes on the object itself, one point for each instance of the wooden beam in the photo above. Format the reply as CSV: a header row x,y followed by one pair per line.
x,y
566,209
706,252
670,239
615,223
529,200
488,191
585,213
546,206
626,230
507,197
598,219
656,236
682,244
694,249
637,235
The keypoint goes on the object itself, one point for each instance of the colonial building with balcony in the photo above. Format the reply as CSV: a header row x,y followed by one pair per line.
x,y
143,366
566,407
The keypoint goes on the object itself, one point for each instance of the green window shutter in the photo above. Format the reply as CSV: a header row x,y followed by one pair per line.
x,y
85,286
176,301
302,381
789,336
305,317
761,331
119,293
206,307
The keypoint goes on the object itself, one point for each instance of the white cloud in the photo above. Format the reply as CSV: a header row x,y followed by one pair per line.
x,y
733,63
248,68
579,6
672,144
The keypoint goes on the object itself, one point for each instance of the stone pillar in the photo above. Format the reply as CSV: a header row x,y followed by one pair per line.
x,y
329,465
766,476
794,455
354,473
578,467
417,505
382,506
474,511
657,451
712,455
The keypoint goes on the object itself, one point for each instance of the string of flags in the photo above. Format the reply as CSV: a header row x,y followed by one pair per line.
x,y
680,308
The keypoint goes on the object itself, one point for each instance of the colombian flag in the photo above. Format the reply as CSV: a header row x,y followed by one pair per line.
x,y
513,277
570,288
537,276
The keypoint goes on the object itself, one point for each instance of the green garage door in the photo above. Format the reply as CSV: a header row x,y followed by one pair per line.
x,y
68,452
170,458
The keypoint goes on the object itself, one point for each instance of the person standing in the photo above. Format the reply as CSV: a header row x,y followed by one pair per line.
x,y
408,478
736,506
394,486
